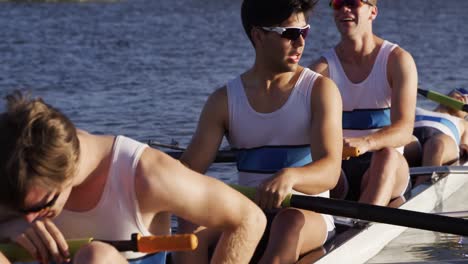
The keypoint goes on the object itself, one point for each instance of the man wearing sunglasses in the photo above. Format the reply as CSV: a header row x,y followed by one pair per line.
x,y
279,116
378,82
66,183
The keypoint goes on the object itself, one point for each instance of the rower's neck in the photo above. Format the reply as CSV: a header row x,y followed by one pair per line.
x,y
358,50
267,81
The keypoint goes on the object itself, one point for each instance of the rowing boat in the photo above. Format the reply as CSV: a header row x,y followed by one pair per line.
x,y
358,241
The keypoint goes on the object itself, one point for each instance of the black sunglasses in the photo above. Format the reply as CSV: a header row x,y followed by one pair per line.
x,y
338,4
39,208
291,33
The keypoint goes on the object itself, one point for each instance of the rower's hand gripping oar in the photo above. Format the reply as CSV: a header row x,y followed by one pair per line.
x,y
138,243
443,99
373,213
349,152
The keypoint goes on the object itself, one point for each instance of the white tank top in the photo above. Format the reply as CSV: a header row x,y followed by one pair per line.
x,y
271,141
366,105
284,132
117,214
447,124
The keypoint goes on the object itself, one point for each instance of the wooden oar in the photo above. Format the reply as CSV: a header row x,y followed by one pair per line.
x,y
443,99
373,213
138,243
231,155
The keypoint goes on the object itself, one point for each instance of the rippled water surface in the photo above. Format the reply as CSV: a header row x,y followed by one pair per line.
x,y
144,68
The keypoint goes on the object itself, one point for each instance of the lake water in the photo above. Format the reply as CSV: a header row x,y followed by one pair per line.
x,y
144,68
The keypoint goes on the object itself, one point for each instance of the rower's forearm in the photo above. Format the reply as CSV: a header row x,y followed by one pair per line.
x,y
318,177
3,259
392,136
237,245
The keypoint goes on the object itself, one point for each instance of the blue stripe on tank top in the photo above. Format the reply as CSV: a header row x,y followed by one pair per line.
x,y
270,159
157,258
444,121
362,119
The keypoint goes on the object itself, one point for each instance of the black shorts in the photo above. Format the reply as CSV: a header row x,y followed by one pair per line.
x,y
424,133
354,168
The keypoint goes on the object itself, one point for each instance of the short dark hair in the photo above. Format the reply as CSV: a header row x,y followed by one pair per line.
x,y
38,145
266,13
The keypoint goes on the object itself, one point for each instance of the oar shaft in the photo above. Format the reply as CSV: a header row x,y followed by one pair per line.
x,y
144,244
443,99
373,213
225,156
382,214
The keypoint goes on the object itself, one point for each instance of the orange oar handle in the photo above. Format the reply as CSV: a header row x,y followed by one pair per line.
x,y
150,244
349,152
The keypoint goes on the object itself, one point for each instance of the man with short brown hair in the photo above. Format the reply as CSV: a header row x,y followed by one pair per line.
x,y
68,183
378,82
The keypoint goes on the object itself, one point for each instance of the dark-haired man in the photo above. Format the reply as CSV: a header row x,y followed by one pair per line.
x,y
378,82
285,120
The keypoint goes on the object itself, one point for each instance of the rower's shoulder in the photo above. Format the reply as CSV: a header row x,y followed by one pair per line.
x,y
399,55
100,141
219,93
217,103
325,90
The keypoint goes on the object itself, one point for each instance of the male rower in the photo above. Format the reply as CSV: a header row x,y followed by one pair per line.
x,y
378,83
439,134
285,120
67,183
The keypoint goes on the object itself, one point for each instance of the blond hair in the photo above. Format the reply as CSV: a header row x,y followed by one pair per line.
x,y
38,145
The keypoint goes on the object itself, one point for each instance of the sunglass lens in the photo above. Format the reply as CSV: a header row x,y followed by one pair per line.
x,y
294,33
338,4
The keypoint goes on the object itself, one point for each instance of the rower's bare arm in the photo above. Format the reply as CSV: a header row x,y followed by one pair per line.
x,y
320,66
210,131
464,135
403,78
326,137
164,184
3,259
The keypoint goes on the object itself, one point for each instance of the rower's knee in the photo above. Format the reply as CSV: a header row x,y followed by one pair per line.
x,y
98,252
389,167
386,155
434,144
288,222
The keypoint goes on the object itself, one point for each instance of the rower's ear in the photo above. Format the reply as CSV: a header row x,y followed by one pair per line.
x,y
374,12
257,35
